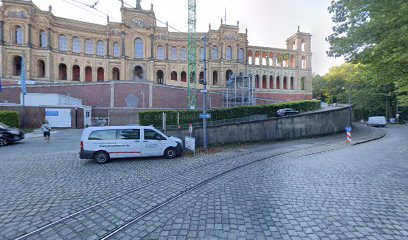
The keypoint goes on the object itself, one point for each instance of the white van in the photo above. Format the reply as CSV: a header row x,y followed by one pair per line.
x,y
105,143
378,121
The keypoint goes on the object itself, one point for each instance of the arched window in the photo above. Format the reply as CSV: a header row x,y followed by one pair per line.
x,y
241,55
17,65
271,82
229,53
228,74
40,69
285,82
62,71
257,84
76,45
215,78
292,61
183,76
183,53
214,53
19,35
303,46
257,58
174,76
89,49
100,75
43,39
264,79
173,54
160,77
139,48
160,53
250,59
304,65
138,73
88,74
76,73
100,48
292,83
264,59
271,57
63,43
201,54
302,83
201,77
278,85
116,50
115,73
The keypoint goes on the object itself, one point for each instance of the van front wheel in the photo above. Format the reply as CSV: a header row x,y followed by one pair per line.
x,y
170,153
101,157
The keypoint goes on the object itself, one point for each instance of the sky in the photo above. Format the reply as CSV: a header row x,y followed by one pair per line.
x,y
269,22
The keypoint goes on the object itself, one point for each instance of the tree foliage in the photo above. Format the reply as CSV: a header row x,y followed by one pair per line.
x,y
374,33
357,82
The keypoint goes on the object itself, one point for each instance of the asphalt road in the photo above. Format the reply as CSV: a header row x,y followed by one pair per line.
x,y
307,189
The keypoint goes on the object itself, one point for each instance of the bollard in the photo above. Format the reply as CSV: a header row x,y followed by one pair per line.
x,y
349,138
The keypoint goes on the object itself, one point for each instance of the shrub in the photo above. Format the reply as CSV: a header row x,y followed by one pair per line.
x,y
186,117
10,118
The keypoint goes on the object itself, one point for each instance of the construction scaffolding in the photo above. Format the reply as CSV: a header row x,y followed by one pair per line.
x,y
240,91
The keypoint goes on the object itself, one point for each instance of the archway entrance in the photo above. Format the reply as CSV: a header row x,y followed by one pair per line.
x,y
88,74
115,73
62,72
76,73
159,77
138,73
40,69
228,75
100,75
17,66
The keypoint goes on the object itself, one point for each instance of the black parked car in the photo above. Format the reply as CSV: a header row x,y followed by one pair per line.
x,y
9,135
286,112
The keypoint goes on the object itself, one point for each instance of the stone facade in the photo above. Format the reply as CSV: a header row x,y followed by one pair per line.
x,y
59,49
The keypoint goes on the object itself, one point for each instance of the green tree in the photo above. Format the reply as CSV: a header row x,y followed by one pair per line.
x,y
374,33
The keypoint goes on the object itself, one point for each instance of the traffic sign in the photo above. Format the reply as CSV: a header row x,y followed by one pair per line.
x,y
205,115
190,144
349,129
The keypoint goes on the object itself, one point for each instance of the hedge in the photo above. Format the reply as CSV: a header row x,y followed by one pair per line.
x,y
186,117
10,118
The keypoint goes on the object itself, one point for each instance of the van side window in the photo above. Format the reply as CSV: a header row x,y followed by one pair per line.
x,y
103,135
129,134
152,135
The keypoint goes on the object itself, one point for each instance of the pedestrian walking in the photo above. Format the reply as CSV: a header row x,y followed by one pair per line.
x,y
46,128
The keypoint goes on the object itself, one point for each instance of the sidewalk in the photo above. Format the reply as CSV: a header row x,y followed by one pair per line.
x,y
362,133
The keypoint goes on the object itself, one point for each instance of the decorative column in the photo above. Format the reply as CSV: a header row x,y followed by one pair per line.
x,y
167,52
1,33
29,36
49,39
108,47
151,47
123,44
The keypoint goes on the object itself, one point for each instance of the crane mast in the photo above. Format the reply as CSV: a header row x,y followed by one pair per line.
x,y
192,54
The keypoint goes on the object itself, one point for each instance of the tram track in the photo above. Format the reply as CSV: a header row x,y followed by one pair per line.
x,y
182,192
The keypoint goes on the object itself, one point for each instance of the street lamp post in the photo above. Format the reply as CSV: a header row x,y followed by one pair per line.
x,y
350,106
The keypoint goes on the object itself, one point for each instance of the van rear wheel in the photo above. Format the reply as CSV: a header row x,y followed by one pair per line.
x,y
101,157
3,141
170,153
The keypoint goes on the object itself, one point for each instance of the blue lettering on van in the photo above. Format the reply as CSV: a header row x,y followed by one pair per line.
x,y
51,113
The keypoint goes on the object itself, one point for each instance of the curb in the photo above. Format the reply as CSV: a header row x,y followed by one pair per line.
x,y
375,135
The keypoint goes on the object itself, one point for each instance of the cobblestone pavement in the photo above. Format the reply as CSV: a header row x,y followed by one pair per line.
x,y
306,189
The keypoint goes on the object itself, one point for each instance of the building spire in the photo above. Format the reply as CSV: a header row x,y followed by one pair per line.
x,y
225,16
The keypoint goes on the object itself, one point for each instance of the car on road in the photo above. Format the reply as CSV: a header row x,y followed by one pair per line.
x,y
377,121
10,135
105,143
286,112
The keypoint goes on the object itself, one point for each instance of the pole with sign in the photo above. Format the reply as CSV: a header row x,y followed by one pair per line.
x,y
205,132
190,141
349,138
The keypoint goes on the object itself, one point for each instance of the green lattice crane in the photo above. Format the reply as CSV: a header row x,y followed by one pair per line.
x,y
192,54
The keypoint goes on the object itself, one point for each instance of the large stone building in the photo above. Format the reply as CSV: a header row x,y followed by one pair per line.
x,y
135,48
